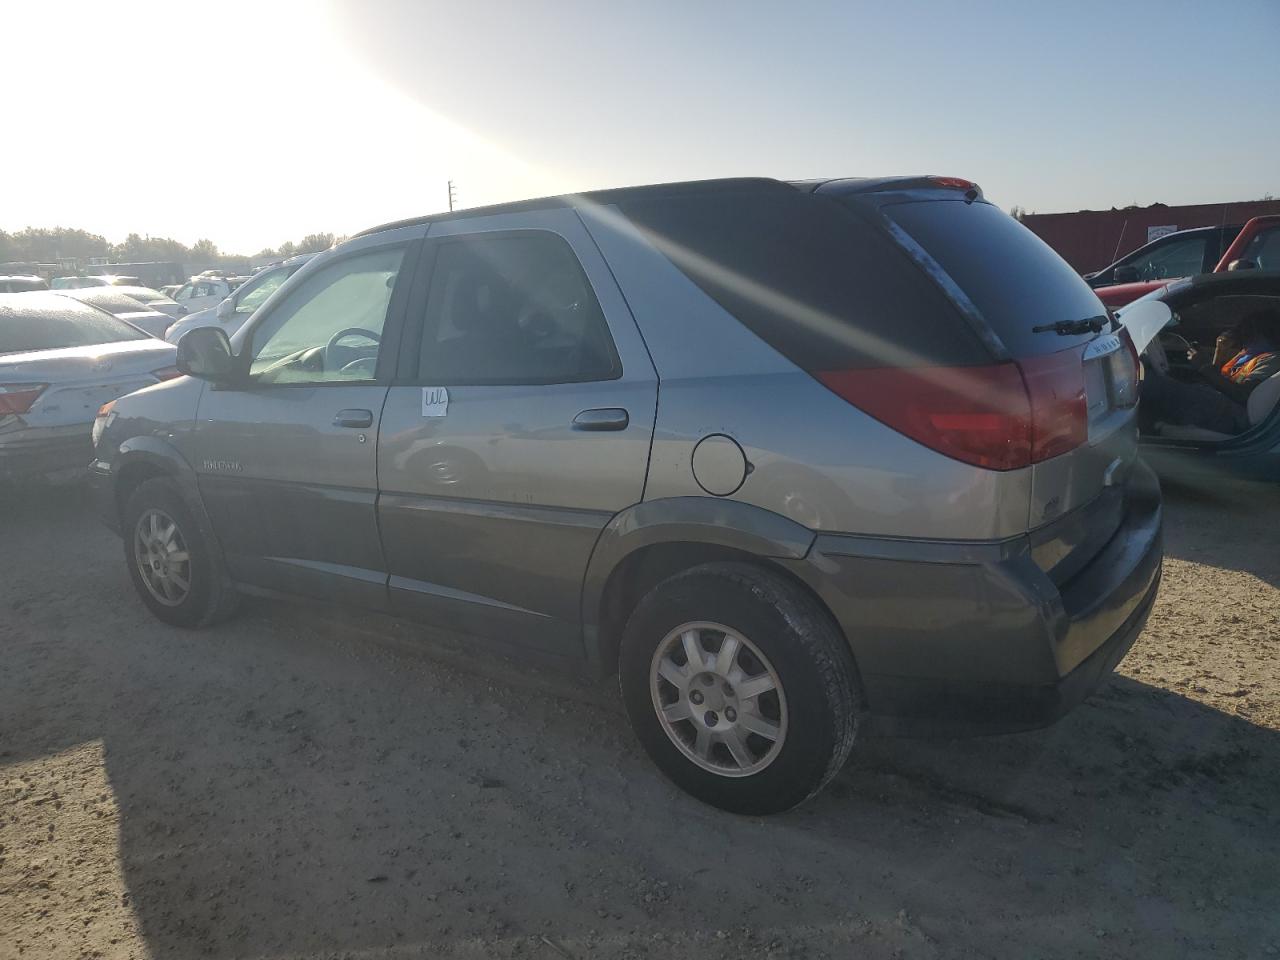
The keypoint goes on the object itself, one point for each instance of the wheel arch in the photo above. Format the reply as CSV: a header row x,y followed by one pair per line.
x,y
144,458
140,459
651,541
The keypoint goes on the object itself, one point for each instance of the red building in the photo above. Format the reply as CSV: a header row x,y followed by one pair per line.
x,y
1091,239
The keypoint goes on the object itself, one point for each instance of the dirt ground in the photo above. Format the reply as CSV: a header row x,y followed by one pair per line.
x,y
299,784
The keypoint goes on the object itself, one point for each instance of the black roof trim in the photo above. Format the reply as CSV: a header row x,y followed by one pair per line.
x,y
840,185
613,195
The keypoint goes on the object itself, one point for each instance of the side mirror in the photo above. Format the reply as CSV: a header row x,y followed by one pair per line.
x,y
1125,274
227,309
205,352
1242,264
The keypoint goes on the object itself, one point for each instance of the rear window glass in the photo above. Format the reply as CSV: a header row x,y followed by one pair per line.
x,y
19,284
110,301
29,322
807,276
1012,277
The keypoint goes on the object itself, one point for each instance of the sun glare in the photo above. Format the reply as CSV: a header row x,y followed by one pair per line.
x,y
243,122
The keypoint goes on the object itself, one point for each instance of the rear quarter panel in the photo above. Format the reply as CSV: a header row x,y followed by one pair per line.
x,y
813,457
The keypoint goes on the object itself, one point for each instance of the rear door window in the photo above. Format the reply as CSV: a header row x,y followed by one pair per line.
x,y
822,286
513,309
1012,277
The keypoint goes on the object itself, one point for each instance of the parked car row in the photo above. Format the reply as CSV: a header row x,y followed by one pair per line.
x,y
234,309
105,280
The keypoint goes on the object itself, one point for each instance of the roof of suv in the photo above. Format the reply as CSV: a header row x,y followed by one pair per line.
x,y
617,195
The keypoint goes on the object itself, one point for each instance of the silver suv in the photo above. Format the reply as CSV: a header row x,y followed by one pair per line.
x,y
793,460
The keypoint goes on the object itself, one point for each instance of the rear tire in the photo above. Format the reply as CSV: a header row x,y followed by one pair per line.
x,y
170,560
768,715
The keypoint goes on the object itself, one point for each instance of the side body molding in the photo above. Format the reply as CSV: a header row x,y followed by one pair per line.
x,y
699,521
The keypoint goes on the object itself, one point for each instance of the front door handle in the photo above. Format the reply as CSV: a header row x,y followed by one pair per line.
x,y
604,418
357,419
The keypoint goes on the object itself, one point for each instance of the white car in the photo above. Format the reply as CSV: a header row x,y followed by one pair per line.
x,y
232,312
154,300
200,293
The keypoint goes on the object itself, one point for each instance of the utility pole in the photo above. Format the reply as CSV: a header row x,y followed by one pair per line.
x,y
452,195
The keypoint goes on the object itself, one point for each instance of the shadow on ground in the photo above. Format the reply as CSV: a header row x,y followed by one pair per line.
x,y
1225,523
299,782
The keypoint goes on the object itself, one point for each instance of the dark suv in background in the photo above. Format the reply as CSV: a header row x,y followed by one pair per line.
x,y
788,458
1181,254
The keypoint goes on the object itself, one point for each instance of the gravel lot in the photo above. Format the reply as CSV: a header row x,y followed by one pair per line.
x,y
298,783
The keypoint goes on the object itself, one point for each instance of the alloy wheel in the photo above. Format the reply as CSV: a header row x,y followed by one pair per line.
x,y
163,560
718,698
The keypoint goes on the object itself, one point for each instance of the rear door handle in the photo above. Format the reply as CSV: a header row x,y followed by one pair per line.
x,y
357,419
604,418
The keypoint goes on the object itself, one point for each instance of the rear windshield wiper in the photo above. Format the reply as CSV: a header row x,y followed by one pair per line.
x,y
1068,328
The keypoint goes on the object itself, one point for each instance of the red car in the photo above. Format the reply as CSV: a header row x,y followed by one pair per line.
x,y
1257,246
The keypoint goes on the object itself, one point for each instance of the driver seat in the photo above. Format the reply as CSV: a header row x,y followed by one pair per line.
x,y
1262,401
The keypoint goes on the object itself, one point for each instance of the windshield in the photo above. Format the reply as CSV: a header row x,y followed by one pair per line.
x,y
29,323
1011,276
255,292
1264,249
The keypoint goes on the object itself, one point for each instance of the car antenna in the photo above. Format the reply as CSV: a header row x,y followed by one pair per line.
x,y
1119,240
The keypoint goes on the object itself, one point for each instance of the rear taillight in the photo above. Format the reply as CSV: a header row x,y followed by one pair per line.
x,y
953,183
980,415
1059,413
1001,417
18,397
166,373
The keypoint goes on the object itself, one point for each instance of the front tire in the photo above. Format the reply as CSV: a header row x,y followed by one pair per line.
x,y
171,562
740,687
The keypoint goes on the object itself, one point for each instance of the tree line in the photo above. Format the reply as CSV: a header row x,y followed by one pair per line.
x,y
48,245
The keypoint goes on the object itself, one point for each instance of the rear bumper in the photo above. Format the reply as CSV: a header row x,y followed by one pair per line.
x,y
36,451
962,638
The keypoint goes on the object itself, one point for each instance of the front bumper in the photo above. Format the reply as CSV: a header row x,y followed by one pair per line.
x,y
27,452
102,493
967,638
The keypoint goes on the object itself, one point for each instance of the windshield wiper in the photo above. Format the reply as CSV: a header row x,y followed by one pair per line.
x,y
1068,328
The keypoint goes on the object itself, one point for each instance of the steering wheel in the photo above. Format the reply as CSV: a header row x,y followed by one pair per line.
x,y
1157,354
352,332
331,348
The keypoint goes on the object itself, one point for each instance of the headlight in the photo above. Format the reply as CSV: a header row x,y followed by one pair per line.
x,y
106,413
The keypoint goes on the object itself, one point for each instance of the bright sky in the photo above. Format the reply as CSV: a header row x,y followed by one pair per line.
x,y
255,121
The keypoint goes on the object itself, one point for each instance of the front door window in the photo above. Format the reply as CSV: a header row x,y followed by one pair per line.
x,y
330,328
